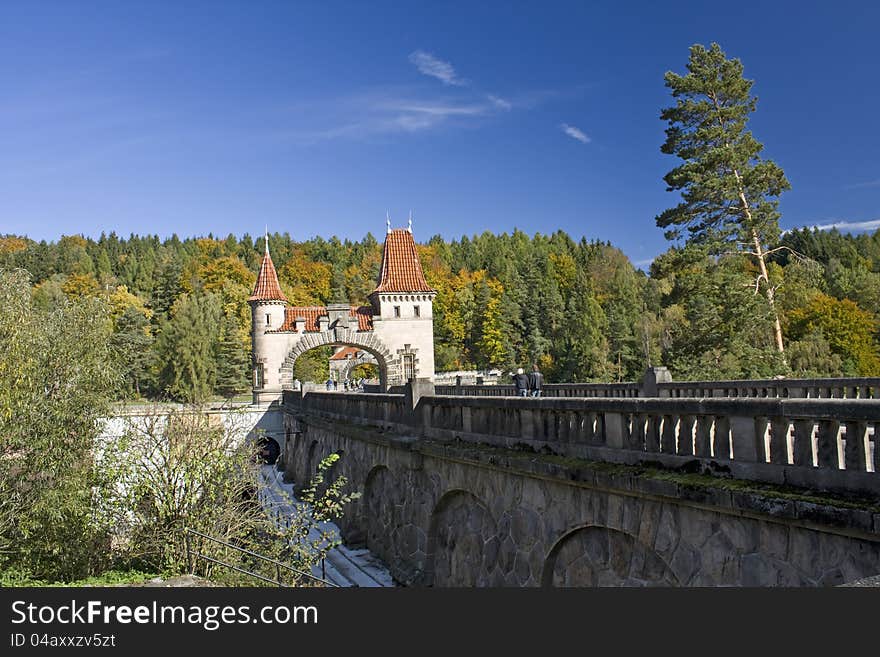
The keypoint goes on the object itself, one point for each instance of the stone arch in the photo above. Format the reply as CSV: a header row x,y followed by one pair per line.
x,y
595,555
311,464
378,518
331,474
354,362
267,448
292,453
462,541
389,364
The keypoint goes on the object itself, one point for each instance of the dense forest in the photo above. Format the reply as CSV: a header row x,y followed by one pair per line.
x,y
181,322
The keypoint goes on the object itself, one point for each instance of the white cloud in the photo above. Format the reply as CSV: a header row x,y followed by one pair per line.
x,y
499,102
436,68
437,109
846,226
574,133
856,226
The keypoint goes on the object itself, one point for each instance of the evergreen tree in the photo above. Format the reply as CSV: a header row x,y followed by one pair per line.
x,y
233,361
186,348
132,341
168,287
728,192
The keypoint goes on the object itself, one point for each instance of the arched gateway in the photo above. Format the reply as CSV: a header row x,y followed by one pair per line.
x,y
397,328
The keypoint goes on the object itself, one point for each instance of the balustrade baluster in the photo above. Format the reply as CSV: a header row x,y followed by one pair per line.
x,y
686,426
571,428
854,451
703,438
803,442
667,437
779,428
721,439
826,452
748,437
634,431
651,424
598,429
875,447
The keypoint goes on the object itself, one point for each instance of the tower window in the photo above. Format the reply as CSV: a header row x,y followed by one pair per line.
x,y
417,311
267,319
409,367
397,311
258,375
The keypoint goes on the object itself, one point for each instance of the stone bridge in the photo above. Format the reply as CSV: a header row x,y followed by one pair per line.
x,y
680,490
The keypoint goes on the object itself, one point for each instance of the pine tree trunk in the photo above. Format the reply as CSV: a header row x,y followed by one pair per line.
x,y
761,256
762,265
771,294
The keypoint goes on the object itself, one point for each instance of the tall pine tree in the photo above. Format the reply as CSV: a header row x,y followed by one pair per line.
x,y
728,192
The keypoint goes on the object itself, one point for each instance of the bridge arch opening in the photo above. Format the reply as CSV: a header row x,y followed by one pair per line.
x,y
388,364
460,550
311,466
361,368
378,517
595,555
268,450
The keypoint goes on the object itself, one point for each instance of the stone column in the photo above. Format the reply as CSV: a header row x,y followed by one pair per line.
x,y
653,376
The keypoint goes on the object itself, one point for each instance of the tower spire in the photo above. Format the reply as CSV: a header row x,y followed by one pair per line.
x,y
409,227
388,221
267,288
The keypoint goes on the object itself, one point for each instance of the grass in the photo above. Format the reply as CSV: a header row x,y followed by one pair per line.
x,y
108,578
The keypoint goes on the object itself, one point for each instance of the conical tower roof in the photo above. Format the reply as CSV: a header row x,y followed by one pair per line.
x,y
267,287
401,268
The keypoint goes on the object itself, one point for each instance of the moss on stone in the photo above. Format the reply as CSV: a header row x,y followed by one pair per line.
x,y
680,477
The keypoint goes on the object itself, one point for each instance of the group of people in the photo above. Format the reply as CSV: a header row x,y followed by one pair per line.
x,y
347,384
528,385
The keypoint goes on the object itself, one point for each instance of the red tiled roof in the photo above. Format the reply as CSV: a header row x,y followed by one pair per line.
x,y
311,314
345,352
401,270
267,288
364,316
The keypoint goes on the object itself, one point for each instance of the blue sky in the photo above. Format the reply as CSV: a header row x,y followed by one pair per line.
x,y
317,118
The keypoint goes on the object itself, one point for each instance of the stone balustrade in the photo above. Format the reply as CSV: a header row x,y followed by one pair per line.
x,y
823,444
578,390
842,388
386,409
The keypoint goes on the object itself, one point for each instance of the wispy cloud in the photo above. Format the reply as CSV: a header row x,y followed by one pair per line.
x,y
436,68
386,112
870,183
435,108
574,133
856,226
499,102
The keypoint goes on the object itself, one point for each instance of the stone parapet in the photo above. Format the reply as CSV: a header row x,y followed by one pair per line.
x,y
819,444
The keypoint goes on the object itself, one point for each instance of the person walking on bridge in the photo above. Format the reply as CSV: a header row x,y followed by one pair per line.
x,y
536,381
521,381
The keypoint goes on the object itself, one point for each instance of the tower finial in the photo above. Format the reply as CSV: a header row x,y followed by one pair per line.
x,y
388,221
409,227
266,239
